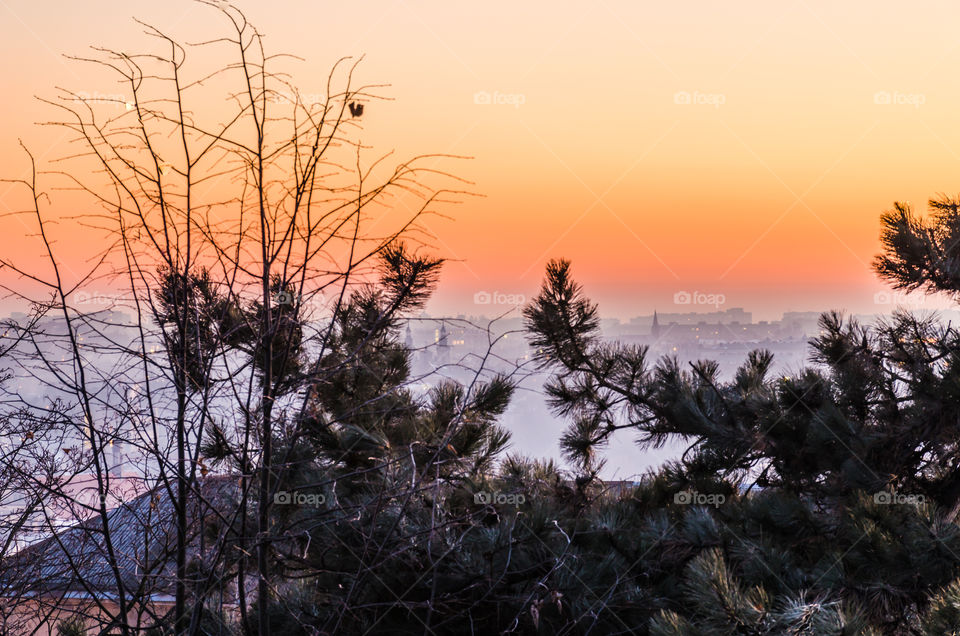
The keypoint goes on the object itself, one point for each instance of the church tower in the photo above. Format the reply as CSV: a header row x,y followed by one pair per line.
x,y
442,338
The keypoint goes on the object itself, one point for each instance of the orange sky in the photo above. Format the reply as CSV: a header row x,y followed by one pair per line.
x,y
767,188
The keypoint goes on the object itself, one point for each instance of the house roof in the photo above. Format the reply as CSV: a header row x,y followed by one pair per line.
x,y
143,539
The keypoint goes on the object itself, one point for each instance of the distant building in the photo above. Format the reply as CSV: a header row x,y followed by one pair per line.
x,y
727,316
443,339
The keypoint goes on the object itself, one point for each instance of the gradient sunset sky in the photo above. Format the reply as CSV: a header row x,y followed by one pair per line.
x,y
805,121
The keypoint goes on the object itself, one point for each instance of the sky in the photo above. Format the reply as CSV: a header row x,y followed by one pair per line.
x,y
740,153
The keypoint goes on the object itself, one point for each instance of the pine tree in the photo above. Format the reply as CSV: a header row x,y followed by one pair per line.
x,y
838,485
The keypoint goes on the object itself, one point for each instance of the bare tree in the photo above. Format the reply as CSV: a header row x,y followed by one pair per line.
x,y
238,220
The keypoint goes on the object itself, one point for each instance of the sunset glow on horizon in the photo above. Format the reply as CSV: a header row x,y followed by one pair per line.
x,y
743,149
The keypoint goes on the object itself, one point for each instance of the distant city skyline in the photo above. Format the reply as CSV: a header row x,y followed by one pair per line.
x,y
878,299
451,346
688,330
